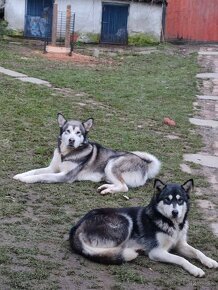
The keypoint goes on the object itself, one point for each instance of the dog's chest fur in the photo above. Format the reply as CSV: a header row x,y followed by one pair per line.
x,y
171,235
82,163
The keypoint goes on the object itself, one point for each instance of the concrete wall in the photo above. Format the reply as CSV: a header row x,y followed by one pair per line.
x,y
143,18
88,15
15,14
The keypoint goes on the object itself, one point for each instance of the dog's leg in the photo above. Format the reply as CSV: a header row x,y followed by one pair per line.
x,y
45,178
111,188
52,168
188,251
161,255
34,172
114,176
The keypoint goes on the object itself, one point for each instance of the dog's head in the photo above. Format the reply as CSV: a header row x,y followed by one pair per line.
x,y
172,200
73,133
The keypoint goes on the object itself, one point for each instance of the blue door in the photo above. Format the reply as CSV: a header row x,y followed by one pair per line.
x,y
38,18
114,23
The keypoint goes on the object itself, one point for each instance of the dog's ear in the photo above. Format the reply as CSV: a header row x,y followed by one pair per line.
x,y
61,120
158,185
188,185
88,124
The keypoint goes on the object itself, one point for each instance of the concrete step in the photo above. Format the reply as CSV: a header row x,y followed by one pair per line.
x,y
206,123
205,160
209,98
11,73
208,53
207,76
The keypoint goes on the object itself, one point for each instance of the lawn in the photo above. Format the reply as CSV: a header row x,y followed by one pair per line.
x,y
128,95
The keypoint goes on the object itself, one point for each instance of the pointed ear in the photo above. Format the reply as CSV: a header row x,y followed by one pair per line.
x,y
188,185
61,120
158,185
88,124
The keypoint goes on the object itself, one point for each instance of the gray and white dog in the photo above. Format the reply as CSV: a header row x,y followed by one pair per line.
x,y
117,235
76,158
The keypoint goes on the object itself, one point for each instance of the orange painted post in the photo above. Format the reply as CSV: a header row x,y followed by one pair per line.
x,y
54,24
67,33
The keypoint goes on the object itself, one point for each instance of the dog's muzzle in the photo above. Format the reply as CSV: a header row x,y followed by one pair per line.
x,y
71,142
175,213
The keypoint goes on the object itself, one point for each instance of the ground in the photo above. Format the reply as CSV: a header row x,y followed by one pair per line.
x,y
128,93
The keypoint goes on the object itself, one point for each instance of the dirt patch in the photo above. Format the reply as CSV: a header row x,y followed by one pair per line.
x,y
75,57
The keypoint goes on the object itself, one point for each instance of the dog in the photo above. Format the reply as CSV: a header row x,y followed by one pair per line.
x,y
117,235
76,158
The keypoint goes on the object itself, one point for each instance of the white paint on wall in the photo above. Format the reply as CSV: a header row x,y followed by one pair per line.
x,y
15,14
87,14
143,18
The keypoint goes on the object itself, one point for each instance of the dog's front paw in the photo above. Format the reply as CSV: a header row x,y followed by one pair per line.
x,y
105,189
112,188
197,272
27,179
210,263
18,176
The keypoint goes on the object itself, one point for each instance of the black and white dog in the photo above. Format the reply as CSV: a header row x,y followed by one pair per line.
x,y
117,235
76,158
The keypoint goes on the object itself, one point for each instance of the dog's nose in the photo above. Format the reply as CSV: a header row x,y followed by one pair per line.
x,y
175,213
71,141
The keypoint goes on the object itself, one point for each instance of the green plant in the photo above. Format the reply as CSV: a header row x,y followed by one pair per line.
x,y
142,39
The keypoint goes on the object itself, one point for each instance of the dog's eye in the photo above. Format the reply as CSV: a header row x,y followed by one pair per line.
x,y
78,133
67,131
167,200
180,201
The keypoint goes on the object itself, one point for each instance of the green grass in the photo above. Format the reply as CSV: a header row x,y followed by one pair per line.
x,y
128,96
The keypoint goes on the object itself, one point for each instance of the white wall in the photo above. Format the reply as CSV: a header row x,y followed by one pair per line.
x,y
143,18
15,14
88,14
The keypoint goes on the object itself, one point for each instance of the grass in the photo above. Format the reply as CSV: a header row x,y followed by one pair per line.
x,y
128,96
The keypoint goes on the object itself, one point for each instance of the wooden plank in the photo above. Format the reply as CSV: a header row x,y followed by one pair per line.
x,y
194,20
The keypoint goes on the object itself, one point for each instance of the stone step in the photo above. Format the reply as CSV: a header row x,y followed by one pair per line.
x,y
35,81
11,73
209,98
208,53
206,123
23,77
205,160
207,76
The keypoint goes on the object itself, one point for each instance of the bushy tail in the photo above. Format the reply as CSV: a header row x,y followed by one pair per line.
x,y
107,255
154,164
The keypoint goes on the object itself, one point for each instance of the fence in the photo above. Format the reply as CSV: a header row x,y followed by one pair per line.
x,y
64,32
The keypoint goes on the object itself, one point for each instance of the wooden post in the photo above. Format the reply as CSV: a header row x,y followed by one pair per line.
x,y
67,33
54,24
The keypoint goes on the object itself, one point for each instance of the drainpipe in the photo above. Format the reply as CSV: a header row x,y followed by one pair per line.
x,y
164,8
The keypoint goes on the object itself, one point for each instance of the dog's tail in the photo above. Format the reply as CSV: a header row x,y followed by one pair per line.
x,y
107,255
154,164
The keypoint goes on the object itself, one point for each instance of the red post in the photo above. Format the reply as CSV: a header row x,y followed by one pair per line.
x,y
68,21
54,24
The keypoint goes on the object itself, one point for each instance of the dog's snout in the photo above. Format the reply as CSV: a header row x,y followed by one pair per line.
x,y
175,213
71,141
